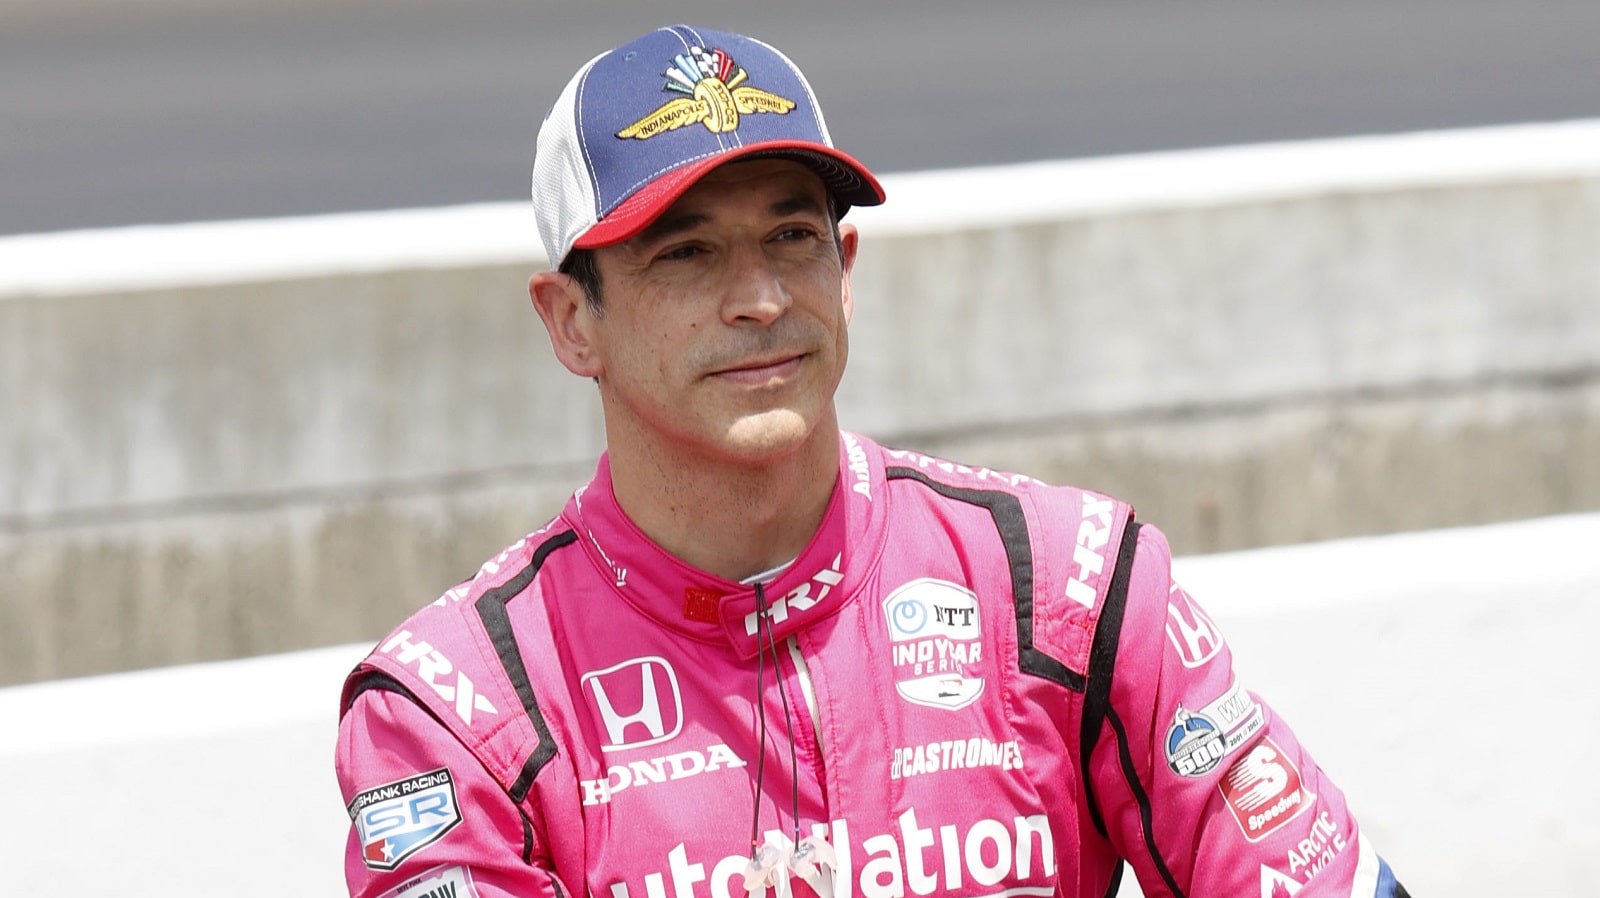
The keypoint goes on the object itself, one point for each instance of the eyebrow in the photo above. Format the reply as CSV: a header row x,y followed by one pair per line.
x,y
796,203
672,223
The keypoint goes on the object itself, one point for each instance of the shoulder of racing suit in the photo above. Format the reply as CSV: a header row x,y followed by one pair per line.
x,y
457,658
1071,551
1064,546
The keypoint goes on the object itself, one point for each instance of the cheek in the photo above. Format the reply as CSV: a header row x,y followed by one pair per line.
x,y
657,349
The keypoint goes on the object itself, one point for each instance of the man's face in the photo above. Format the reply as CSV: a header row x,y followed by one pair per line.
x,y
723,330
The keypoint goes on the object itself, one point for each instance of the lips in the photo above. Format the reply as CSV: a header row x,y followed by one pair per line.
x,y
760,371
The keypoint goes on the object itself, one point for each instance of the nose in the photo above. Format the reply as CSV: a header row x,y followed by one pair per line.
x,y
754,291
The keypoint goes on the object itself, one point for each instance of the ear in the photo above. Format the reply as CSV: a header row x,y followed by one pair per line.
x,y
848,239
564,309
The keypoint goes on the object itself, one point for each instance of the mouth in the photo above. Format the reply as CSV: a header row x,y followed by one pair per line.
x,y
760,372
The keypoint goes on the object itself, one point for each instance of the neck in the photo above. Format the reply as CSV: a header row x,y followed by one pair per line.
x,y
732,519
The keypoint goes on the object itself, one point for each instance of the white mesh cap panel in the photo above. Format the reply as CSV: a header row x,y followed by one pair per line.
x,y
564,203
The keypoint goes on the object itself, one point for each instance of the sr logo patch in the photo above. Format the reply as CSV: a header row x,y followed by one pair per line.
x,y
935,630
396,820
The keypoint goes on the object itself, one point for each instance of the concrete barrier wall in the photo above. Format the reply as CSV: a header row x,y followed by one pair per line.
x,y
1439,677
229,439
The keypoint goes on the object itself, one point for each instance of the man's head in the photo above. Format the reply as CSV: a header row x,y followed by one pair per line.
x,y
689,172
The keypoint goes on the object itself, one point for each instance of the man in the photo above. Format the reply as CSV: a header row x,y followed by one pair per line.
x,y
755,653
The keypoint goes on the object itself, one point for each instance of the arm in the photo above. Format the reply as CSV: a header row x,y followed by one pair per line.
x,y
425,813
1199,785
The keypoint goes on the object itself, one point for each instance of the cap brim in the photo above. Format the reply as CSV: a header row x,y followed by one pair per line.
x,y
850,183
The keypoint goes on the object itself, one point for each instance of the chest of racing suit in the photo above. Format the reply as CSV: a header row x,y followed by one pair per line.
x,y
969,683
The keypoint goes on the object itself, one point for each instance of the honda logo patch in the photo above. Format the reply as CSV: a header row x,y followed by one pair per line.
x,y
638,702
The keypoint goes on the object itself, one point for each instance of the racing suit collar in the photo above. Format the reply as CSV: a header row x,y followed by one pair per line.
x,y
709,608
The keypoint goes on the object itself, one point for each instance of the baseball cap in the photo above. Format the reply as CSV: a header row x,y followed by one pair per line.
x,y
638,125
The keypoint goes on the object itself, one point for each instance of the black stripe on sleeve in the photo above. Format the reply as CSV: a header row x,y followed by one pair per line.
x,y
527,839
1006,510
1103,664
1116,880
372,679
1146,821
496,619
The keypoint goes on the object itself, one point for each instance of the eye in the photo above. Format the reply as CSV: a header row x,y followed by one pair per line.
x,y
798,232
679,253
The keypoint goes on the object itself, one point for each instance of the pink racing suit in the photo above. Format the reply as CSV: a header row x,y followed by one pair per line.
x,y
969,683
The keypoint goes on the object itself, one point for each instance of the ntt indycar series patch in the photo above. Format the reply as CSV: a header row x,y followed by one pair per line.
x,y
934,627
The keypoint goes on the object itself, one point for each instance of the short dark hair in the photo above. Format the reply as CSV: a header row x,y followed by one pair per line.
x,y
582,266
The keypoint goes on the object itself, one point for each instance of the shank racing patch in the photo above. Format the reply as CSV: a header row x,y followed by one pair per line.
x,y
934,630
716,96
396,820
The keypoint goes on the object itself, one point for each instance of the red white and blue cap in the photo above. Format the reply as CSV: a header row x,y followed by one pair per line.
x,y
638,125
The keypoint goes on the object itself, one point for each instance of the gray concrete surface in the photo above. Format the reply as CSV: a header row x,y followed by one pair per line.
x,y
198,471
176,110
1445,695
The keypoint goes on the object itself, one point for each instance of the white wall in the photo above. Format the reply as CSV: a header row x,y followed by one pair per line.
x,y
1443,679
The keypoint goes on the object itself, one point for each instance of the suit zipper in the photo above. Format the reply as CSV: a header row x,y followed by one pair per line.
x,y
807,690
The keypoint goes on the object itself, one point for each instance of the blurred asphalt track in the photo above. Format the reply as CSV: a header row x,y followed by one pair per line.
x,y
129,111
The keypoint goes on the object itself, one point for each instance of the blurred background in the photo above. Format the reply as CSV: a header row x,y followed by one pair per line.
x,y
1281,274
122,112
229,441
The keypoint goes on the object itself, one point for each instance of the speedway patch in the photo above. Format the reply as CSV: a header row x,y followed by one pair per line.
x,y
396,820
1264,791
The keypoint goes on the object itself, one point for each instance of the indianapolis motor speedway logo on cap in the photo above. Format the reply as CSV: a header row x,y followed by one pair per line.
x,y
934,628
716,95
396,820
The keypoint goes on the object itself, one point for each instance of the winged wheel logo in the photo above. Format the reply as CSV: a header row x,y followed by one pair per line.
x,y
715,95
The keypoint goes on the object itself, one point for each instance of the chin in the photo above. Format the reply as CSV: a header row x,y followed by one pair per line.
x,y
768,435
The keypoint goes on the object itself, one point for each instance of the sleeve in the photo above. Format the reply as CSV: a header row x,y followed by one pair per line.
x,y
1198,784
426,818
